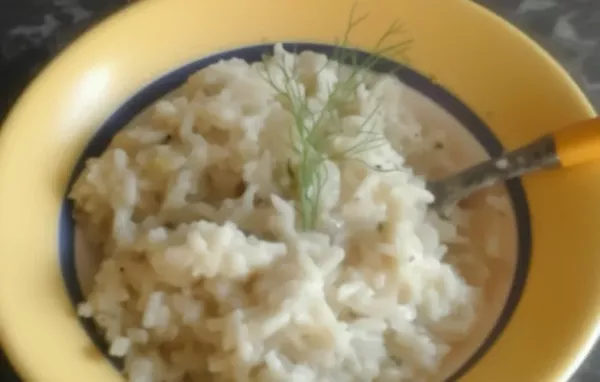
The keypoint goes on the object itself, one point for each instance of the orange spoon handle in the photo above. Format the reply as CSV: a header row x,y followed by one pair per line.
x,y
578,143
569,146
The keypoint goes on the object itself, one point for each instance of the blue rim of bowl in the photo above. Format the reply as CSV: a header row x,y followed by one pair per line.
x,y
253,53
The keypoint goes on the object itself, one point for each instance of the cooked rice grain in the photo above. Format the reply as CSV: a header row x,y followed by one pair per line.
x,y
206,275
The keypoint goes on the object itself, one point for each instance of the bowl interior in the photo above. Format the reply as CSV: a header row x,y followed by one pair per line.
x,y
497,259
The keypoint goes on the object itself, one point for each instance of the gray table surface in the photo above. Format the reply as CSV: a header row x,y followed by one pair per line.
x,y
32,31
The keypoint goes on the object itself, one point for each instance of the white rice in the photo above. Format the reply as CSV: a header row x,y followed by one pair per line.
x,y
206,275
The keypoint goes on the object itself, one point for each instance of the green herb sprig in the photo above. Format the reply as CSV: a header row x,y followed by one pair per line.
x,y
314,131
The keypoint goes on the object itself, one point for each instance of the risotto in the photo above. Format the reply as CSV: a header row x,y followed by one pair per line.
x,y
256,225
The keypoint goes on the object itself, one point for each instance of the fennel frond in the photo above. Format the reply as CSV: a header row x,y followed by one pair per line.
x,y
313,132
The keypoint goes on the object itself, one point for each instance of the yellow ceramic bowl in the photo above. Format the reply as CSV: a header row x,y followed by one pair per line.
x,y
548,317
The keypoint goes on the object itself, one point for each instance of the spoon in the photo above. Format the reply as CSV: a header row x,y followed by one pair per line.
x,y
569,146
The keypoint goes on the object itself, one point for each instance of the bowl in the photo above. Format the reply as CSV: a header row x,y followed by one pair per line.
x,y
467,70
